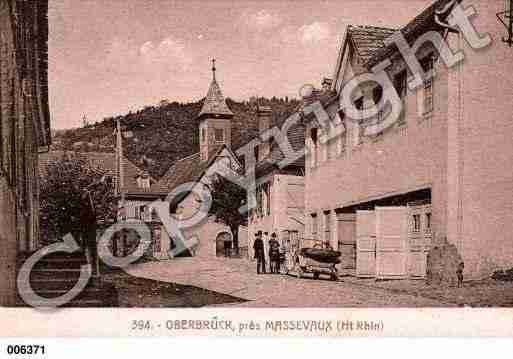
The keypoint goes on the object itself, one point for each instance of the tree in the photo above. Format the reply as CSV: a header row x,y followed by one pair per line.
x,y
227,199
61,189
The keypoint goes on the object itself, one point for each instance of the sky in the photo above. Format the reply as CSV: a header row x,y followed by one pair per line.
x,y
107,57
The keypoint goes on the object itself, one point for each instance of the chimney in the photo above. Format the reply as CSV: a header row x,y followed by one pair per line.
x,y
326,84
264,124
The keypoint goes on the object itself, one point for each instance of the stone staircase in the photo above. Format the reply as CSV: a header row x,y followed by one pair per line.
x,y
57,273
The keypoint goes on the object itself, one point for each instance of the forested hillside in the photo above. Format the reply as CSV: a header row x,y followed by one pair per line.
x,y
156,136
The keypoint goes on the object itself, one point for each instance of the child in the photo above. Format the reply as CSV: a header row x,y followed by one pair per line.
x,y
459,272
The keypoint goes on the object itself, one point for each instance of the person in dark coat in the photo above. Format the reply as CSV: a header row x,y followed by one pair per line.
x,y
89,228
274,254
258,247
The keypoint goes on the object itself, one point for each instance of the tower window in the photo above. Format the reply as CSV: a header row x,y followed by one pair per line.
x,y
219,135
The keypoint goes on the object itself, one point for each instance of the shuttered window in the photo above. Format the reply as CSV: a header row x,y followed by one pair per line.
x,y
426,100
314,226
327,227
219,135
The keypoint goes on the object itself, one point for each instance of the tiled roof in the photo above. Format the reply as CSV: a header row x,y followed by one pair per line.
x,y
188,169
367,40
104,163
296,138
425,21
295,135
215,103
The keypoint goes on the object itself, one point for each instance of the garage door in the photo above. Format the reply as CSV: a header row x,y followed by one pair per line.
x,y
365,244
392,242
346,236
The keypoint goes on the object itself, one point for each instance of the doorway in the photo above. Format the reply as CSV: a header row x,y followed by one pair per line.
x,y
223,244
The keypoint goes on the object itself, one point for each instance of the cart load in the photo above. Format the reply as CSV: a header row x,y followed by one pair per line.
x,y
322,255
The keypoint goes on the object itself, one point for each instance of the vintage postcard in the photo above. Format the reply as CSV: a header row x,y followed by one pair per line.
x,y
256,168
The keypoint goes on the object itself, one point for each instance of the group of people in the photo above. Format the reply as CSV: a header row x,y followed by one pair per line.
x,y
276,254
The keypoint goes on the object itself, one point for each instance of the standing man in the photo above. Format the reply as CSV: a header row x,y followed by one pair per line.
x,y
287,249
258,248
89,228
274,254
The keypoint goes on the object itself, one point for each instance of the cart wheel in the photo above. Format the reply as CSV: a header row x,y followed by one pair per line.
x,y
299,272
316,275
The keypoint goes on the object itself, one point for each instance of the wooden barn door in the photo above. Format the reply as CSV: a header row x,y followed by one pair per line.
x,y
346,233
365,244
392,248
420,239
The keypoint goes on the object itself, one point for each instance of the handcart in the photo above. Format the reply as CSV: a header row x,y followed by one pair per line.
x,y
317,261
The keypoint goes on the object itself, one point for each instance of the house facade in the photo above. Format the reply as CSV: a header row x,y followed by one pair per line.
x,y
436,174
24,131
279,190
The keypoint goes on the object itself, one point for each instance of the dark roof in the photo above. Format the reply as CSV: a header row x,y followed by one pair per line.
x,y
424,22
188,169
366,40
104,163
214,103
295,136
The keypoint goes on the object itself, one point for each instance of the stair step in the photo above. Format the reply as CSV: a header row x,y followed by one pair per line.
x,y
59,265
74,304
52,284
104,295
51,274
77,254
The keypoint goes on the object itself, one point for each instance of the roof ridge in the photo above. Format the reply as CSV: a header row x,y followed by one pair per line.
x,y
186,157
361,26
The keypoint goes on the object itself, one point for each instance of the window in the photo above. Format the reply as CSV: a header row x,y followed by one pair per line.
x,y
313,135
427,63
256,151
401,87
428,97
157,245
428,222
154,215
401,83
416,223
327,227
357,138
140,212
143,181
137,213
203,135
313,151
259,200
342,138
377,94
314,226
426,101
219,135
268,197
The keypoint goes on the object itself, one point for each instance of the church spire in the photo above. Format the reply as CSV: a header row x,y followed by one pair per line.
x,y
215,104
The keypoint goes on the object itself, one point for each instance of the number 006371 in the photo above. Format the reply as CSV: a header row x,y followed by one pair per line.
x,y
25,349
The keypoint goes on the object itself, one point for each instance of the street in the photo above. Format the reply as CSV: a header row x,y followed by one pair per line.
x,y
238,278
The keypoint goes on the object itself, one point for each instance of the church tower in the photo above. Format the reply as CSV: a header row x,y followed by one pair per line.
x,y
215,120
